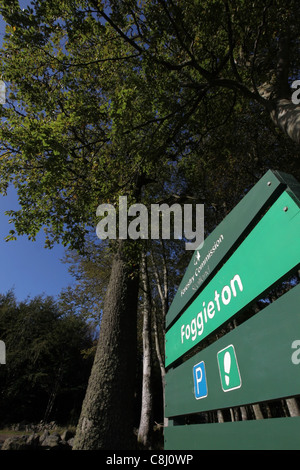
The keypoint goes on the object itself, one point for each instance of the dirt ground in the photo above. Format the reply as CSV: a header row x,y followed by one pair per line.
x,y
3,437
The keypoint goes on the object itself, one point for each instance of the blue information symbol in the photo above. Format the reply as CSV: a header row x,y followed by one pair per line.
x,y
200,384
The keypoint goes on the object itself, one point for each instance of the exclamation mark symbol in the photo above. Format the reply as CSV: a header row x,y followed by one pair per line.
x,y
227,365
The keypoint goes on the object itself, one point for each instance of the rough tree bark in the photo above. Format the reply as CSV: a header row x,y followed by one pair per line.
x,y
107,414
257,411
284,113
293,407
286,116
220,416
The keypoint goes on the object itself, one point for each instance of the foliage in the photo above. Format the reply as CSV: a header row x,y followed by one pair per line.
x,y
106,98
44,351
91,275
65,140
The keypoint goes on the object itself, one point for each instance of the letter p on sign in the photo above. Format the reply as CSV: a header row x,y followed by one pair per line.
x,y
200,384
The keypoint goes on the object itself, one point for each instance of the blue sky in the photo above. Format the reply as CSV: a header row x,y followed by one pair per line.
x,y
27,266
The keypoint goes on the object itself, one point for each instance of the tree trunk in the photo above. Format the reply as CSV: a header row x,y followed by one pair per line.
x,y
220,416
284,113
161,363
286,116
257,411
107,415
162,289
293,407
144,437
243,411
234,414
53,394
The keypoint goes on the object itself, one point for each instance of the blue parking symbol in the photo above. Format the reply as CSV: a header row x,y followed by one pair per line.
x,y
200,384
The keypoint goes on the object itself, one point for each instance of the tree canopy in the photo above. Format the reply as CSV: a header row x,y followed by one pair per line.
x,y
105,96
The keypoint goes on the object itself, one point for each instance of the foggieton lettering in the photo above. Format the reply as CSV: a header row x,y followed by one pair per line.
x,y
196,327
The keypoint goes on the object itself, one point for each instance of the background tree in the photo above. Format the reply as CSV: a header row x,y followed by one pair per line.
x,y
91,272
47,370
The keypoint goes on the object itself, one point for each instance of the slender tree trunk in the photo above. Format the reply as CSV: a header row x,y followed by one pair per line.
x,y
234,414
257,411
243,410
162,288
107,415
220,416
160,361
53,394
293,407
144,433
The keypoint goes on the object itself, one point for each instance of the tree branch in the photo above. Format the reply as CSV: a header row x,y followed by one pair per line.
x,y
259,33
116,28
231,44
234,85
282,73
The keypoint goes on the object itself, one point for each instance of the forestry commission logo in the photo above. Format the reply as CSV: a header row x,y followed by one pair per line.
x,y
2,353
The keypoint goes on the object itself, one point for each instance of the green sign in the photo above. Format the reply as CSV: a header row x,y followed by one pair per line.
x,y
264,434
256,247
226,237
268,253
264,363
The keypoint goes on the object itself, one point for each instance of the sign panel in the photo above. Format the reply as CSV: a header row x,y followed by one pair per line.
x,y
263,434
264,363
269,252
226,236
